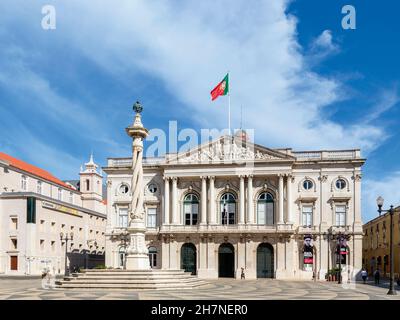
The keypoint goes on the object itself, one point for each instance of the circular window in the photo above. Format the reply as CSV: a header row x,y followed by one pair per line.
x,y
307,184
123,189
340,184
152,188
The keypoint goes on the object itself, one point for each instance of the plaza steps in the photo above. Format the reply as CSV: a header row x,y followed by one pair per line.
x,y
131,279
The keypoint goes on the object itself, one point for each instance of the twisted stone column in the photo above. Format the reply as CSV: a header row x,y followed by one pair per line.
x,y
137,258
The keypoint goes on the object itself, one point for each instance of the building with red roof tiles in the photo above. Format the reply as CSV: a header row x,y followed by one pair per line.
x,y
36,207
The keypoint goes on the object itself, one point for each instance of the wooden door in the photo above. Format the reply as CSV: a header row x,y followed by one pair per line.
x,y
14,262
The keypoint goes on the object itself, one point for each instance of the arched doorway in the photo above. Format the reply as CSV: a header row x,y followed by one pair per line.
x,y
265,261
226,261
188,258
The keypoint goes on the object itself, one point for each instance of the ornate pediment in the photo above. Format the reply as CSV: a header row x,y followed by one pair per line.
x,y
228,149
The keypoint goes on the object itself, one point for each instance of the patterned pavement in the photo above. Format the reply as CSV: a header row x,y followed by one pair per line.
x,y
266,289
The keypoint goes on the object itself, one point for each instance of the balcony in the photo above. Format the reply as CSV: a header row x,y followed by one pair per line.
x,y
216,228
307,229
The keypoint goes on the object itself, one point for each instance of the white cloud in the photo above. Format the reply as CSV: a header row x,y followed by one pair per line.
x,y
191,45
387,187
386,100
323,45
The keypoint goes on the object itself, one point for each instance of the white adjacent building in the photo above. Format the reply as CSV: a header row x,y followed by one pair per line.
x,y
35,207
230,204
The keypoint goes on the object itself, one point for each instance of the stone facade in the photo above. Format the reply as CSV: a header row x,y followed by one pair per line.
x,y
230,204
376,246
35,207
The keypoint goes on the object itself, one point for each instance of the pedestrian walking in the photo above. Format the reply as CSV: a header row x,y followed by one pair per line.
x,y
364,275
242,276
377,276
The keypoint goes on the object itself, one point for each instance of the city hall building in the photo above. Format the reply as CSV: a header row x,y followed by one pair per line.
x,y
230,204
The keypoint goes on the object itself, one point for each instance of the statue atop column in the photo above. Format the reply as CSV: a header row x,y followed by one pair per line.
x,y
137,258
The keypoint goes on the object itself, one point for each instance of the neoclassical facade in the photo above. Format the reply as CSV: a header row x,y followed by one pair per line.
x,y
229,204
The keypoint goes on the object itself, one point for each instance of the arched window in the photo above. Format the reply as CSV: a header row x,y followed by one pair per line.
x,y
191,209
265,209
228,208
87,184
153,257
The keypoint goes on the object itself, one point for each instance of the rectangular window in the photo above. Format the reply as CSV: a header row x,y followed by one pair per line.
x,y
59,194
23,183
31,210
14,223
53,246
41,244
39,187
261,213
14,244
340,216
307,213
151,217
123,218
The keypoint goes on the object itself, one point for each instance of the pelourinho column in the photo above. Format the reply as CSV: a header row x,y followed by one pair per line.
x,y
137,258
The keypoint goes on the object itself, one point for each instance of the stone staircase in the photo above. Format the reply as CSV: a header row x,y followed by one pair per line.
x,y
131,279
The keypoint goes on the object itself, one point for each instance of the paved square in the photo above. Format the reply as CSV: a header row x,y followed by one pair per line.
x,y
268,289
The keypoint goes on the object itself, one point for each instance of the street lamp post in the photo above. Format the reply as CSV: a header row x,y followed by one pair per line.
x,y
380,202
339,254
66,238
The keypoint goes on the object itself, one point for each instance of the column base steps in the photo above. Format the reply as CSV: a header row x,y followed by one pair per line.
x,y
131,279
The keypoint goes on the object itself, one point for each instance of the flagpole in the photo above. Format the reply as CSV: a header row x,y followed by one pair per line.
x,y
229,114
229,105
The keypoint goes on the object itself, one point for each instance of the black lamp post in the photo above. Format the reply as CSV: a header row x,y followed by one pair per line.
x,y
339,254
379,202
64,237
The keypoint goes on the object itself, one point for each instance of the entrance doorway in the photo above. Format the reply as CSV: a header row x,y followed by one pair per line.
x,y
226,261
265,261
14,263
188,258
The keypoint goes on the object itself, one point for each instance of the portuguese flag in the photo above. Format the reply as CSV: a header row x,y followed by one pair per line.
x,y
221,89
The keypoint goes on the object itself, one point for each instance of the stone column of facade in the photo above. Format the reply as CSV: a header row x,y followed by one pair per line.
x,y
166,219
174,205
165,253
323,254
241,256
242,197
202,271
203,215
212,214
250,214
137,258
357,223
289,199
174,256
280,217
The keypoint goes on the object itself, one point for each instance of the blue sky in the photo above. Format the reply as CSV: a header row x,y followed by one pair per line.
x,y
303,81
